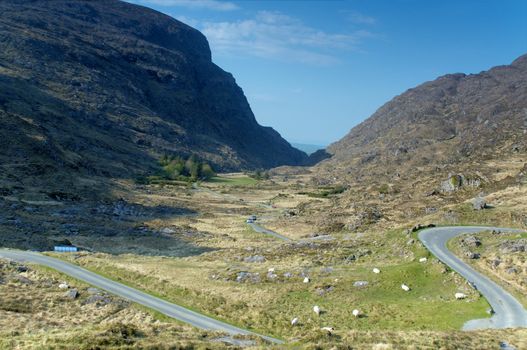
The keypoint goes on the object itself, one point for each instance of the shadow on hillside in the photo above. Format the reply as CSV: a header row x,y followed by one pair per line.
x,y
112,227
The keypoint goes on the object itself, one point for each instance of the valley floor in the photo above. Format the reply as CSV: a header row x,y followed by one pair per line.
x,y
192,246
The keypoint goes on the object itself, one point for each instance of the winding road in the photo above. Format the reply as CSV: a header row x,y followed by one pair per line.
x,y
260,229
509,313
172,310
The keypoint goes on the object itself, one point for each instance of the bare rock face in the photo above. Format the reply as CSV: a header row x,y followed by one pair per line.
x,y
106,87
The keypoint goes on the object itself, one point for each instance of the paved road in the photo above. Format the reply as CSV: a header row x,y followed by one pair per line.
x,y
508,311
172,310
261,229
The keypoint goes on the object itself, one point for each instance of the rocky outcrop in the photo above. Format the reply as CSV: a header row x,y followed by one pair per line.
x,y
106,87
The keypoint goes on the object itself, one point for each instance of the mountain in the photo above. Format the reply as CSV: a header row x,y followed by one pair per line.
x,y
428,152
105,88
454,119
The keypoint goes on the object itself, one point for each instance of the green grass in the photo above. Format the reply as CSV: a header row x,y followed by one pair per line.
x,y
233,181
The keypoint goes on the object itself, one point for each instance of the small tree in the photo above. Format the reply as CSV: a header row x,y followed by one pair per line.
x,y
207,172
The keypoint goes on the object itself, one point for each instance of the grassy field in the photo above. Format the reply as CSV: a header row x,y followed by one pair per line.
x,y
207,284
240,180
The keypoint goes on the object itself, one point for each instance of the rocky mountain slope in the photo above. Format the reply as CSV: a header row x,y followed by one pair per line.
x,y
455,118
105,87
428,152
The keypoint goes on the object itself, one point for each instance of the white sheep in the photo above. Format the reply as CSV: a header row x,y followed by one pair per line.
x,y
376,270
328,329
63,285
294,321
356,313
405,287
306,280
271,269
460,296
422,260
316,309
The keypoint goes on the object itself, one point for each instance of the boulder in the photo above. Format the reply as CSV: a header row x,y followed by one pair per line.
x,y
245,276
479,203
452,184
254,259
22,268
360,284
72,294
471,241
472,255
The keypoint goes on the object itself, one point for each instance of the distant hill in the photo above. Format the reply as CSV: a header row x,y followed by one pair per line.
x,y
307,148
106,87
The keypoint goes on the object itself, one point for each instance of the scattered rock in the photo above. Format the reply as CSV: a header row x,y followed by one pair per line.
x,y
479,203
63,286
321,291
22,279
513,246
453,183
245,276
254,259
306,280
72,294
98,299
22,268
472,255
360,284
410,241
511,270
167,231
495,263
288,275
471,241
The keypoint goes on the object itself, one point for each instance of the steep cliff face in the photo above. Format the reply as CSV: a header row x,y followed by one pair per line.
x,y
105,87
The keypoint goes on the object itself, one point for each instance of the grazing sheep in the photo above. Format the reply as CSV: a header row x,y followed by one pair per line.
x,y
306,280
460,296
330,330
316,309
376,270
271,269
294,321
405,287
423,260
356,313
63,285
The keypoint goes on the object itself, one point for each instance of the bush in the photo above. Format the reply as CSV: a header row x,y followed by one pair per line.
x,y
190,169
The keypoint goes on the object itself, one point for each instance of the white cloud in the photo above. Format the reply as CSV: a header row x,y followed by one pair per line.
x,y
359,18
275,35
216,5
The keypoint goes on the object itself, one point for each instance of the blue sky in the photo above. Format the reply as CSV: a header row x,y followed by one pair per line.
x,y
314,69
